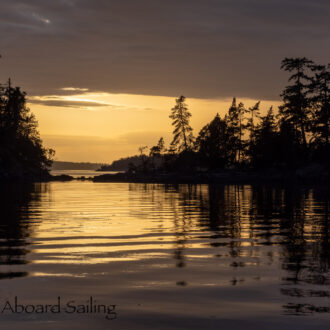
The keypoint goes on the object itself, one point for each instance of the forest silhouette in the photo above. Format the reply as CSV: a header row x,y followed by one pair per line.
x,y
295,136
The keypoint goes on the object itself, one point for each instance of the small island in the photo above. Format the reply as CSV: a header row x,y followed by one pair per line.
x,y
243,146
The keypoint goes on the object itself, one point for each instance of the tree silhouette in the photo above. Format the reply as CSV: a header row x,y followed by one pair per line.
x,y
236,126
158,149
320,87
182,134
255,113
213,143
156,153
21,150
232,120
296,107
264,147
241,145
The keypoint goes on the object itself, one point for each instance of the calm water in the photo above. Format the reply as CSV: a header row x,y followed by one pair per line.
x,y
168,257
80,173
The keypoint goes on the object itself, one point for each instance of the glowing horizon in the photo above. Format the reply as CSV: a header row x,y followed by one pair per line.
x,y
101,127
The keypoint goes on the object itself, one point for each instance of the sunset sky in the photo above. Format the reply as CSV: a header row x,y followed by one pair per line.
x,y
102,75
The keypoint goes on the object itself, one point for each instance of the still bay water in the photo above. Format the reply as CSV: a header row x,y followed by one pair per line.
x,y
81,173
168,256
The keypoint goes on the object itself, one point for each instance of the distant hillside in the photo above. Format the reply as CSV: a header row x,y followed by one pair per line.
x,y
58,165
122,164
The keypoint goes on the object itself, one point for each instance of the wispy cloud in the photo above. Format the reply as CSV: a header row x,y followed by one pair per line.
x,y
41,18
74,89
79,101
80,98
69,104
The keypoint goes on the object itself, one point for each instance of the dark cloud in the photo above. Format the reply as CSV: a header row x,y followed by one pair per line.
x,y
202,48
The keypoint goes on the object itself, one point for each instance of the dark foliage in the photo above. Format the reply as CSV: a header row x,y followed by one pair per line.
x,y
21,152
214,144
297,136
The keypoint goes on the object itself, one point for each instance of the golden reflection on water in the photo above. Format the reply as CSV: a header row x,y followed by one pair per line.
x,y
191,235
106,223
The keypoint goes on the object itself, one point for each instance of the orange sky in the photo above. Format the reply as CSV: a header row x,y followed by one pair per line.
x,y
102,127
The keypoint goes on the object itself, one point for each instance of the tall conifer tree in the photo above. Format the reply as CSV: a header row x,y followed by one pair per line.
x,y
182,133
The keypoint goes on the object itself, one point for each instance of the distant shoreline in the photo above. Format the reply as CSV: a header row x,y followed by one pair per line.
x,y
312,174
